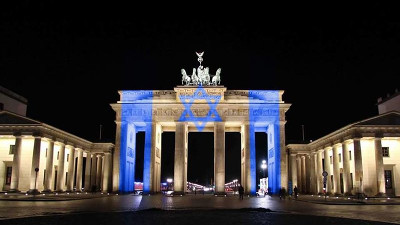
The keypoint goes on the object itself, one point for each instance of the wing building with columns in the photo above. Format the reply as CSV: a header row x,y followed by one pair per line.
x,y
363,157
36,157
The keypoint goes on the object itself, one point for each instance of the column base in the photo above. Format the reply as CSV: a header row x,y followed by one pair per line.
x,y
220,194
178,193
33,192
14,191
381,194
48,191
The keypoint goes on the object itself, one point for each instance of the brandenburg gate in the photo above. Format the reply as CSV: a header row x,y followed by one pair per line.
x,y
201,104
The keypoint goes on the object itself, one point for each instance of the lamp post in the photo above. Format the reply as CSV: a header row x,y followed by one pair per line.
x,y
169,181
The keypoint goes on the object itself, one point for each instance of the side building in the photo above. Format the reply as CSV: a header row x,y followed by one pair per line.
x,y
36,157
363,157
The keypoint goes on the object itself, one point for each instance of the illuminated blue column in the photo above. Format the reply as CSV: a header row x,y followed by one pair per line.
x,y
148,165
121,154
274,158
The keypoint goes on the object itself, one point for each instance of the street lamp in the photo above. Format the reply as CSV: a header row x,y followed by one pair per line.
x,y
169,181
263,167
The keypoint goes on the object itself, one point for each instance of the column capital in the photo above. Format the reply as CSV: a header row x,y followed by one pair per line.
x,y
347,141
60,143
376,138
17,134
337,145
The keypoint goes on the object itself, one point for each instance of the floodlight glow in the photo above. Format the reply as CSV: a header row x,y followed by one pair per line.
x,y
169,180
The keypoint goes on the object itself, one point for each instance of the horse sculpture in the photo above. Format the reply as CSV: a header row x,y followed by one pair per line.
x,y
217,78
185,77
195,79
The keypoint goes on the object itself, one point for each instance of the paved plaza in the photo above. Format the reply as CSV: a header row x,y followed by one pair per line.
x,y
371,209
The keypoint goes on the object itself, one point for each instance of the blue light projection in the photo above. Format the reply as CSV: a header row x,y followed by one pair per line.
x,y
200,122
136,115
264,117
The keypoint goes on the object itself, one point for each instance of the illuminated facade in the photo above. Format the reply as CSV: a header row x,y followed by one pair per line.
x,y
363,157
64,161
198,109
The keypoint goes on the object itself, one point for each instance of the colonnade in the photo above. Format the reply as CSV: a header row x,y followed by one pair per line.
x,y
97,171
307,168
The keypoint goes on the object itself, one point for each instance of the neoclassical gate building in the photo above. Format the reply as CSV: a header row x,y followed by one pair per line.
x,y
198,109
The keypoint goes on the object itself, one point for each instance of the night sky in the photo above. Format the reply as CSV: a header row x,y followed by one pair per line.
x,y
70,61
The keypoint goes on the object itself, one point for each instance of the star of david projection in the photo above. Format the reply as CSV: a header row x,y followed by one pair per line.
x,y
200,122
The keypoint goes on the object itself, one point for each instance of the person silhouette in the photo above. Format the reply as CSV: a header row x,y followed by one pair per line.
x,y
295,192
241,191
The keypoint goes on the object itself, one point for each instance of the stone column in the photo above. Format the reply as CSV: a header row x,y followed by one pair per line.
x,y
313,180
358,168
308,173
219,158
61,173
346,169
49,166
87,171
303,174
293,166
327,168
107,172
283,153
35,164
79,169
71,169
93,172
248,148
16,165
380,171
98,172
122,129
336,169
319,177
180,160
299,174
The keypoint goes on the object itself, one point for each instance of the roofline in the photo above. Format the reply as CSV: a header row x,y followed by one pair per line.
x,y
47,126
350,126
13,95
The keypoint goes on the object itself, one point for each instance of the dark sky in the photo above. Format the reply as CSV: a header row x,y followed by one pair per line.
x,y
69,62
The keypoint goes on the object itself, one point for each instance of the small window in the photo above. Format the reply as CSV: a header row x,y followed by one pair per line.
x,y
385,151
349,155
46,152
58,155
330,159
66,178
332,186
8,175
44,176
351,180
67,157
12,149
340,157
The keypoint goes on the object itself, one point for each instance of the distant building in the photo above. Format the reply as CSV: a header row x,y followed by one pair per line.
x,y
12,102
390,103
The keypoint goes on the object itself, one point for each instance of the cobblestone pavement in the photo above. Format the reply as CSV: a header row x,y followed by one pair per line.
x,y
122,203
188,217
